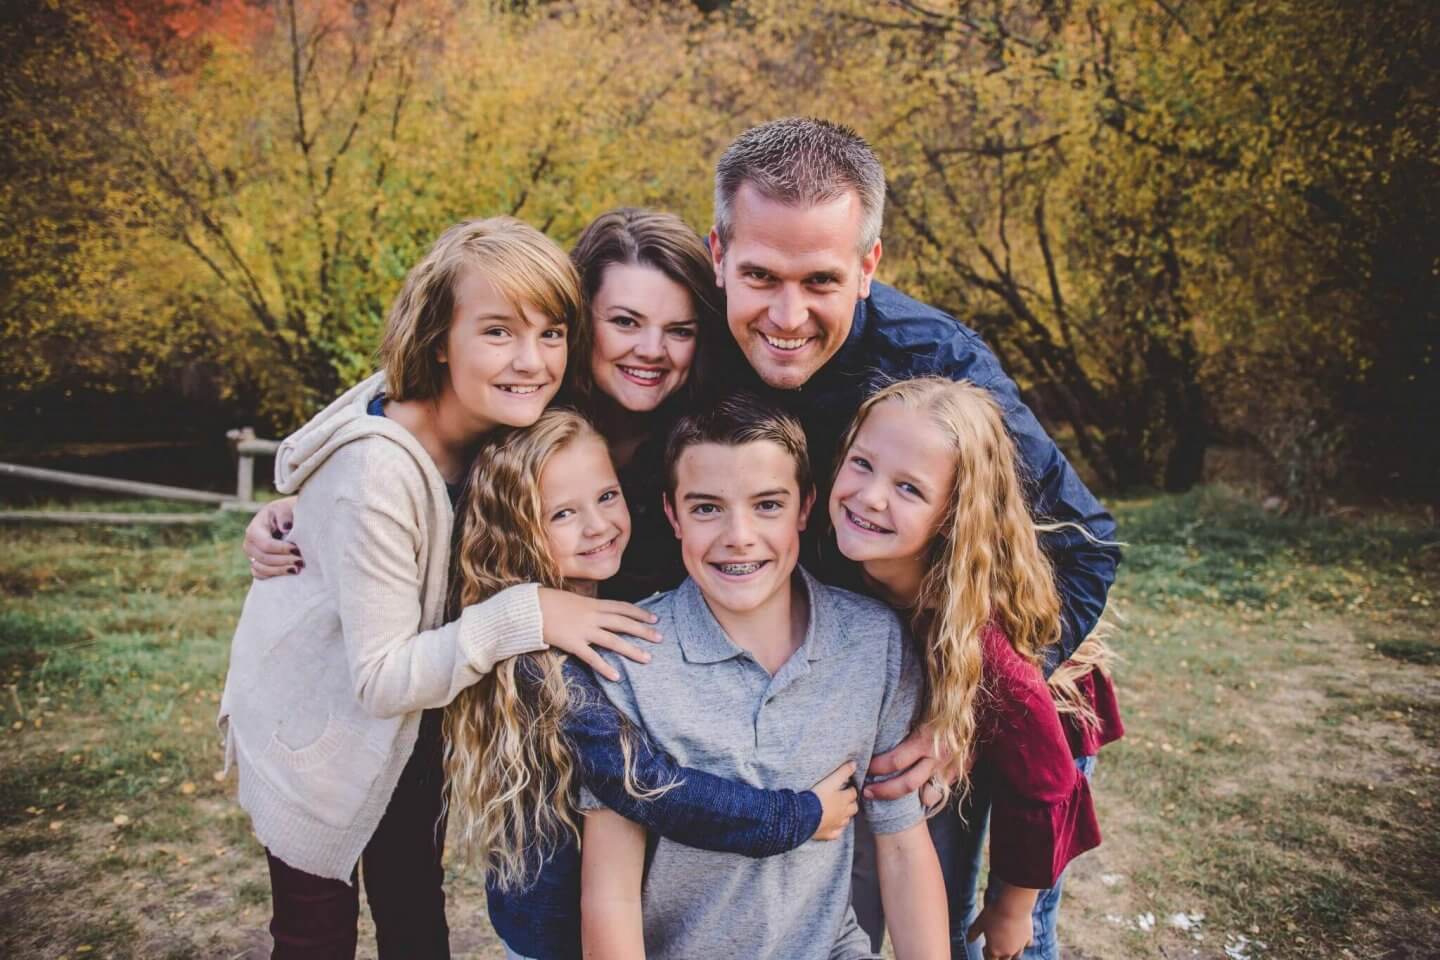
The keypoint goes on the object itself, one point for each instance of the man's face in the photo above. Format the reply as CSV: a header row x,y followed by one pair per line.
x,y
738,512
791,277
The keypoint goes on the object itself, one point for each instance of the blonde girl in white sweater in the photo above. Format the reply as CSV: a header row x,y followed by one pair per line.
x,y
330,706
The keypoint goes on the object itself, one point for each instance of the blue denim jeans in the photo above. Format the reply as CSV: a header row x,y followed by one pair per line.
x,y
960,844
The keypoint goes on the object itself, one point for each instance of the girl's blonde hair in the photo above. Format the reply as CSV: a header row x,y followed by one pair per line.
x,y
525,266
985,568
510,773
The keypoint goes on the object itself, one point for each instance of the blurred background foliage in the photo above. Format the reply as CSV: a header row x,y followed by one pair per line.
x,y
1183,224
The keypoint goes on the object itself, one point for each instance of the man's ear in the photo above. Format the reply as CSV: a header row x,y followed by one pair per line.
x,y
670,514
717,258
807,503
868,263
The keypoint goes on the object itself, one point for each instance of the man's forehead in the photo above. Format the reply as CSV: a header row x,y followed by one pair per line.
x,y
828,229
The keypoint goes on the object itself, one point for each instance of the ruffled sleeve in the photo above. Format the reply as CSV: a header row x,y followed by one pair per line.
x,y
1042,815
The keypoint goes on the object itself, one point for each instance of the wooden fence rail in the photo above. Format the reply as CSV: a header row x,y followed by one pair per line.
x,y
246,445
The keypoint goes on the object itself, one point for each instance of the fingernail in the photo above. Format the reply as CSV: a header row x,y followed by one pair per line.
x,y
295,550
288,525
294,569
300,565
644,657
654,618
869,794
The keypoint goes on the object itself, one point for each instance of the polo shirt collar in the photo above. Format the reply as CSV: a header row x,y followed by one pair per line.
x,y
703,640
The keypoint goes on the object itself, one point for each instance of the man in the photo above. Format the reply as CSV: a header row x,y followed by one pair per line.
x,y
796,241
798,210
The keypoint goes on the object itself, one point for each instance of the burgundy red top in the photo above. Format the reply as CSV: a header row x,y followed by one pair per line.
x,y
1041,814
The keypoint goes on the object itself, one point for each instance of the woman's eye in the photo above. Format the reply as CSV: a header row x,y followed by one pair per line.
x,y
911,489
497,332
609,495
554,333
860,463
561,514
621,320
684,333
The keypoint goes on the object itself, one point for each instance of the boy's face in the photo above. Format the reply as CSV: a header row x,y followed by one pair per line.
x,y
738,512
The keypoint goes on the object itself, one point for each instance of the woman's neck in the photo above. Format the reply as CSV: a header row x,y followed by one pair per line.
x,y
624,430
444,429
896,581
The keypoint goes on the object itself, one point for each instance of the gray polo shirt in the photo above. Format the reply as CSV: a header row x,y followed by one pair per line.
x,y
848,693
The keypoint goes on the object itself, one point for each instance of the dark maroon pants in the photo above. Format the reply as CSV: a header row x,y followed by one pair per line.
x,y
315,917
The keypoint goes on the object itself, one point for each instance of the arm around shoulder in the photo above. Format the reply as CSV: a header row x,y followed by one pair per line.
x,y
380,553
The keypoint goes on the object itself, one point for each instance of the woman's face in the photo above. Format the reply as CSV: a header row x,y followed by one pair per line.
x,y
586,522
893,486
644,327
504,364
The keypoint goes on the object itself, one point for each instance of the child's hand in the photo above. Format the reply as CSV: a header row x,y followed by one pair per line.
x,y
838,804
576,625
1006,922
270,554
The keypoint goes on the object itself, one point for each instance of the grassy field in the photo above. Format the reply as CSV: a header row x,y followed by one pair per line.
x,y
1273,798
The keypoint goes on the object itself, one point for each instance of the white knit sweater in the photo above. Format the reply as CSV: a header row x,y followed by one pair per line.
x,y
330,669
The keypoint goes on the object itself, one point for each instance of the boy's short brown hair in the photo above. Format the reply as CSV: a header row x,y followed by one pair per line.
x,y
525,266
738,419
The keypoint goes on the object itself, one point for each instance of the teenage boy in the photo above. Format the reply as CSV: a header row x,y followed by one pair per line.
x,y
769,677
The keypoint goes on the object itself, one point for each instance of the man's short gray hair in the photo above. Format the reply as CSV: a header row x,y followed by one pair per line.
x,y
802,161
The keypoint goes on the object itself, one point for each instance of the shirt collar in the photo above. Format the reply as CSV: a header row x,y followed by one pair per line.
x,y
703,640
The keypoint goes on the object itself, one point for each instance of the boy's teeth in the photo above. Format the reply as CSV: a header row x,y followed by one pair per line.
x,y
739,569
780,344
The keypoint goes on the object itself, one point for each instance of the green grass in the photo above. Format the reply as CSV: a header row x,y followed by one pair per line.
x,y
1280,685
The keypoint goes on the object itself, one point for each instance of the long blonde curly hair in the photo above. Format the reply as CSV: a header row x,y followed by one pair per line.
x,y
985,566
510,774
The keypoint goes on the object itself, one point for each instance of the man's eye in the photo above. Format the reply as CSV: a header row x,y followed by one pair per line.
x,y
497,332
770,506
554,333
760,276
704,509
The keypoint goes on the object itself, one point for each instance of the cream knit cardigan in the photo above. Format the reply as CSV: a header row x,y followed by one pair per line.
x,y
330,669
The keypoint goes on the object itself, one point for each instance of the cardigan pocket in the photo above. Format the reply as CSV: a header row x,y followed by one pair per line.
x,y
333,775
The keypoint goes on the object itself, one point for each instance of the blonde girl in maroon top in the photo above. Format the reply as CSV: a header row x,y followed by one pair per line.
x,y
928,499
